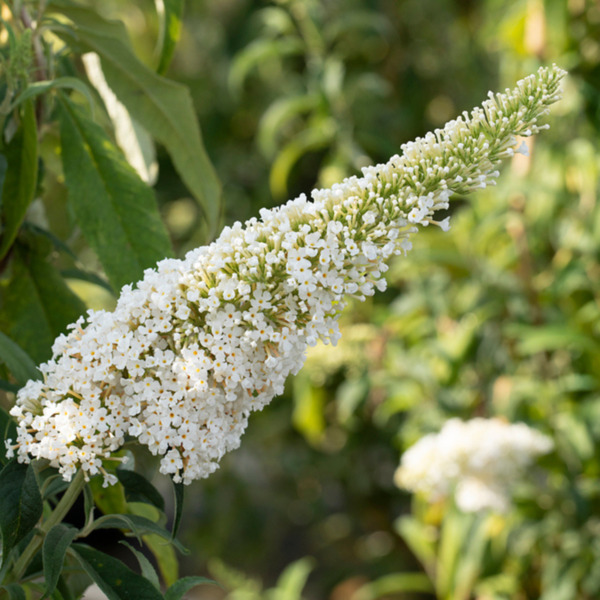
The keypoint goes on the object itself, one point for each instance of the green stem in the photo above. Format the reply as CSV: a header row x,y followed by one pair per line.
x,y
57,515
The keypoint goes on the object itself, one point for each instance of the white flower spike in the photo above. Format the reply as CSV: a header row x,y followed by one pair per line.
x,y
478,461
202,342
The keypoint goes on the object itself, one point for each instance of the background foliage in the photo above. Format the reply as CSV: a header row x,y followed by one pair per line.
x,y
498,317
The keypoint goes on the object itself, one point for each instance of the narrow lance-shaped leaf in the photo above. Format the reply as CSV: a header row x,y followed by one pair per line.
x,y
20,504
184,585
170,13
55,546
146,567
178,491
115,209
42,87
164,108
116,580
20,179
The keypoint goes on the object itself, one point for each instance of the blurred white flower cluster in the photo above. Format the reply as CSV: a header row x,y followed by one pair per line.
x,y
478,461
200,343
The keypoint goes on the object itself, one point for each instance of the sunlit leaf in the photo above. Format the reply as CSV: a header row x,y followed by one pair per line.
x,y
170,13
164,108
115,209
396,583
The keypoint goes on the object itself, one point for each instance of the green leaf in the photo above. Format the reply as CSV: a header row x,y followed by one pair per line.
x,y
56,542
35,304
41,87
308,140
8,430
179,588
178,490
293,579
547,338
109,500
419,539
138,525
257,53
395,583
309,402
165,557
164,108
116,580
20,504
20,179
148,571
170,13
17,360
115,209
139,489
280,113
15,591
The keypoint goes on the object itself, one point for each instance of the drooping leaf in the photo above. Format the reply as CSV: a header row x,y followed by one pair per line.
x,y
280,113
257,53
307,140
36,305
20,504
20,179
115,209
116,580
165,557
170,13
17,360
42,87
137,524
178,491
148,571
164,108
56,542
184,585
139,489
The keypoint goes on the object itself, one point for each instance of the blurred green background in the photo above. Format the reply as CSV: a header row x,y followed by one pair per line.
x,y
500,316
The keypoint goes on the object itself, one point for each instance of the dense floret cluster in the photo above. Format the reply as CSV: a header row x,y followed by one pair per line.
x,y
200,343
478,461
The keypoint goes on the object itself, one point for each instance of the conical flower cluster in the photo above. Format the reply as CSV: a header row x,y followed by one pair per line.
x,y
478,461
200,343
